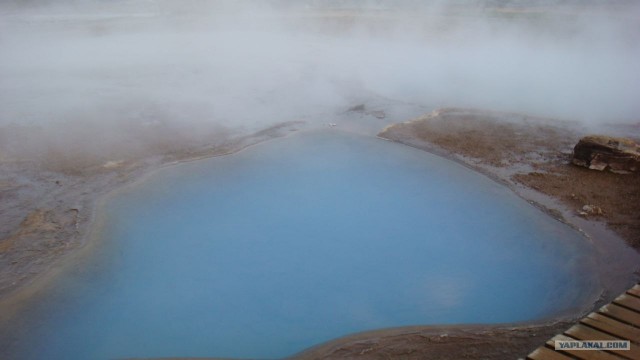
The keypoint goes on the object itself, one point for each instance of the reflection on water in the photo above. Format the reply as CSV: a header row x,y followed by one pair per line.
x,y
298,241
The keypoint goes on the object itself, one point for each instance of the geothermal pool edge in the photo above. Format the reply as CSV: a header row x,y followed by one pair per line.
x,y
29,289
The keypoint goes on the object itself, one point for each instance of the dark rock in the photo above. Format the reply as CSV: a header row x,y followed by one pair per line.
x,y
378,114
357,108
618,155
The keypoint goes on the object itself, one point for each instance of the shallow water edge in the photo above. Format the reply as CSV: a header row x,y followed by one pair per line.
x,y
102,187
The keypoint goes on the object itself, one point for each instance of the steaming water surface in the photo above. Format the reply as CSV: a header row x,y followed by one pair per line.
x,y
300,240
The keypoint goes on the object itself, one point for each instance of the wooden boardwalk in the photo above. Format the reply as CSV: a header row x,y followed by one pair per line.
x,y
619,320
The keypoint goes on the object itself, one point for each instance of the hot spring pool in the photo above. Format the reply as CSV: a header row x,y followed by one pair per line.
x,y
298,241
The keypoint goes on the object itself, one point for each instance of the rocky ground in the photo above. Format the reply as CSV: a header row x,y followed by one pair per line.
x,y
533,152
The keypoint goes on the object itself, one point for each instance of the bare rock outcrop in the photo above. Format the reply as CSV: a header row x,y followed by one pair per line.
x,y
618,155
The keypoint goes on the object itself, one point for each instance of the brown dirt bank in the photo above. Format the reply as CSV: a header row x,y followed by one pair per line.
x,y
439,342
530,152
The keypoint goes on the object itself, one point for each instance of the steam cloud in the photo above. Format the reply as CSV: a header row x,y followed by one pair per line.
x,y
247,64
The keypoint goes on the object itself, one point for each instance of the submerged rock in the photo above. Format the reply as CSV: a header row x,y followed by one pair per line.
x,y
618,155
361,108
378,114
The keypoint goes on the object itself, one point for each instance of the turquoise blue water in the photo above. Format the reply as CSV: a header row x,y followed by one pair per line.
x,y
298,241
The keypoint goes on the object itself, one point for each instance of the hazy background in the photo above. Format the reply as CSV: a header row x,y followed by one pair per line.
x,y
96,75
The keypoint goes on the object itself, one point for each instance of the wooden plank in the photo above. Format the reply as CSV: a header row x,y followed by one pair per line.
x,y
582,332
581,354
542,353
628,301
612,327
621,314
635,291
